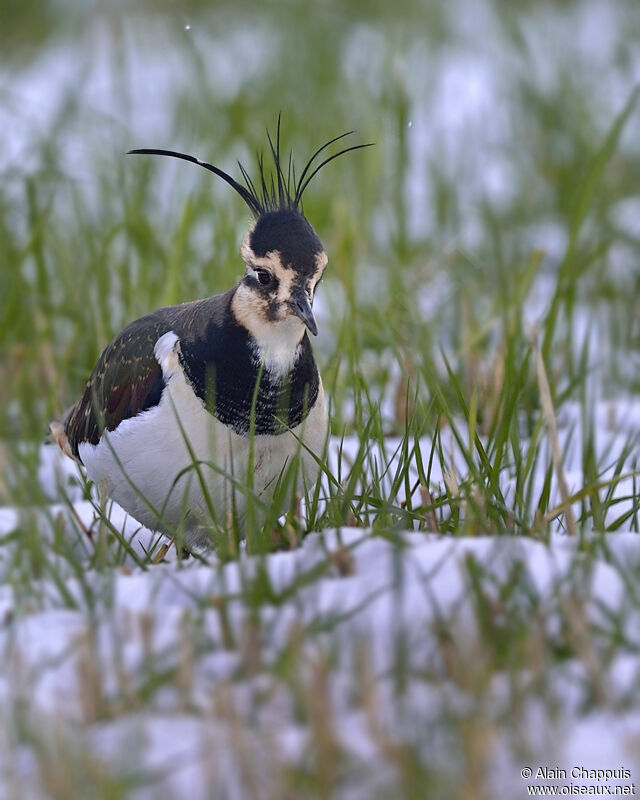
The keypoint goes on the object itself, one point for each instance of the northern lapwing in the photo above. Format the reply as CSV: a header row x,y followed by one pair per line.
x,y
182,396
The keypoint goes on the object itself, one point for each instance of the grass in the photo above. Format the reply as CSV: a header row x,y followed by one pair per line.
x,y
440,283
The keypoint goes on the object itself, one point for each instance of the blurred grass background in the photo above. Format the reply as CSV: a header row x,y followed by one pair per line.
x,y
487,119
502,194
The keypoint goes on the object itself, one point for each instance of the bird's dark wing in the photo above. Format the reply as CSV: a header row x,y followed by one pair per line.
x,y
126,380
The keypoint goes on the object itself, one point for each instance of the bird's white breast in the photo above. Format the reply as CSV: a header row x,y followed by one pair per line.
x,y
149,461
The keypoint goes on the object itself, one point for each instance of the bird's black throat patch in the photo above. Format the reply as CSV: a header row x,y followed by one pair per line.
x,y
223,371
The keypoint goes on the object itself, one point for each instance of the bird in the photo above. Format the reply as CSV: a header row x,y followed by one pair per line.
x,y
193,407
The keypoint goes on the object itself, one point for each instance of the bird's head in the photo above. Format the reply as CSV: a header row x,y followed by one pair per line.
x,y
284,258
284,262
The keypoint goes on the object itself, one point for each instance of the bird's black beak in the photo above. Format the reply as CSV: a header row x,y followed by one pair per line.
x,y
299,304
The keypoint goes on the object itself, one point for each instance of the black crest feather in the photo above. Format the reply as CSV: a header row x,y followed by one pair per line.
x,y
274,192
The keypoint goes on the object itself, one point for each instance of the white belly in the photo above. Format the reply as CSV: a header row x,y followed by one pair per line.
x,y
155,464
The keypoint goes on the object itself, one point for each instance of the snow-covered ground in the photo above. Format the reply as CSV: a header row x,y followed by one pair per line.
x,y
358,612
70,664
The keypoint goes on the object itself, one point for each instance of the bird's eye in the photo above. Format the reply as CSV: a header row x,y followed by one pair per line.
x,y
264,277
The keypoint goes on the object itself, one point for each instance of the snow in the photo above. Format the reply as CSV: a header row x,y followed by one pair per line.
x,y
78,653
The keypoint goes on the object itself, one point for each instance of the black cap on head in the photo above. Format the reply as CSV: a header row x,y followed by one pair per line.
x,y
290,233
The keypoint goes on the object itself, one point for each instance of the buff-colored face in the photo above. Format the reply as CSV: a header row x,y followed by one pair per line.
x,y
280,291
284,262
